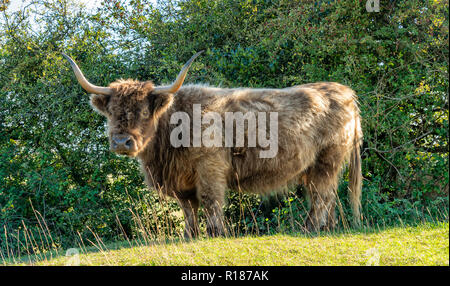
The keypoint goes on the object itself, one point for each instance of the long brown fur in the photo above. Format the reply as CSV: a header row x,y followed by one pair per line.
x,y
318,131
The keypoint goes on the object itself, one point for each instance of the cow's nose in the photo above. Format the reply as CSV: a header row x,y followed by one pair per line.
x,y
122,143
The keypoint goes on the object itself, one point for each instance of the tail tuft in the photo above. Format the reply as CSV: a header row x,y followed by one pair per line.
x,y
355,176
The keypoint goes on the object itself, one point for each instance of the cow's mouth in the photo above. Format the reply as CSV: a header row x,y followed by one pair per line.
x,y
126,153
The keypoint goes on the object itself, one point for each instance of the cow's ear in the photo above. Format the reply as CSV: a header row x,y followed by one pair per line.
x,y
161,103
100,103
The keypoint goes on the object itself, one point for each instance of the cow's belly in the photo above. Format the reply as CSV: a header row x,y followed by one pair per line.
x,y
257,175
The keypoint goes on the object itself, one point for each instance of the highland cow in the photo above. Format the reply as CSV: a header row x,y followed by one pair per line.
x,y
318,131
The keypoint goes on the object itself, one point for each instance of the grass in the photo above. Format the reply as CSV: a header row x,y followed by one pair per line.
x,y
424,244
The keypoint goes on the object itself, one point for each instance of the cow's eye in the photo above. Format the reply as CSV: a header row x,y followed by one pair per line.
x,y
145,113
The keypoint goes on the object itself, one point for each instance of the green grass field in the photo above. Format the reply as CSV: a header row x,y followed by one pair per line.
x,y
425,244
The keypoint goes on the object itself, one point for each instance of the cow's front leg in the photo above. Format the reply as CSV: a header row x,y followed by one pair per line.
x,y
211,191
190,211
212,198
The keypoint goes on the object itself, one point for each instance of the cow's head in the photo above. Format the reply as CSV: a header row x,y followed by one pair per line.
x,y
132,108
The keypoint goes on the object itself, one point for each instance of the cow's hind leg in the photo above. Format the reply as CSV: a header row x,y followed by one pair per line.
x,y
322,212
321,180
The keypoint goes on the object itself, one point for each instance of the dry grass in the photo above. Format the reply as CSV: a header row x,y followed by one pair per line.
x,y
425,244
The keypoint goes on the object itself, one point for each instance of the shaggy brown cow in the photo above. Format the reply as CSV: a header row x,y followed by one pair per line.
x,y
318,131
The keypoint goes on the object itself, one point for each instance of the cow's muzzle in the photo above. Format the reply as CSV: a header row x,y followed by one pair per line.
x,y
123,144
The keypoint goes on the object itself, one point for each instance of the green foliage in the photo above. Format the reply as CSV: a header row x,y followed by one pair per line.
x,y
54,160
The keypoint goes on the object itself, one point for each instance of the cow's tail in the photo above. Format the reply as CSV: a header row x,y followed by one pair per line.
x,y
355,175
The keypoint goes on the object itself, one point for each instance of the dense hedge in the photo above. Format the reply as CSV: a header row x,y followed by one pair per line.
x,y
57,176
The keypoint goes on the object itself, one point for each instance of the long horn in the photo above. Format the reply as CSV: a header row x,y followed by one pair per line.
x,y
180,78
89,87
